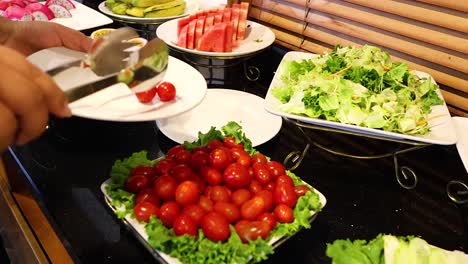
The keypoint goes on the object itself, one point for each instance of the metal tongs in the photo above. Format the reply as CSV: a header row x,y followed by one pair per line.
x,y
118,60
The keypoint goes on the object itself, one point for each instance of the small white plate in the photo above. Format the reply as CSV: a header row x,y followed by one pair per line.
x,y
258,37
218,108
117,102
191,7
83,18
461,126
442,129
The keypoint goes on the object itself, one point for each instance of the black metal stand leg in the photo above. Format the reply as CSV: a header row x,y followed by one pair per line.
x,y
457,191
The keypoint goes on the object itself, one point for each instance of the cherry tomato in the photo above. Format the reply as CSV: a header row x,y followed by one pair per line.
x,y
211,175
144,210
183,156
236,176
267,197
206,203
187,193
284,213
172,151
253,208
253,230
230,142
165,187
166,91
268,218
220,158
240,223
276,169
182,172
220,193
240,196
229,210
168,212
136,183
255,187
147,195
195,212
261,172
241,156
258,157
199,160
301,190
213,144
198,148
284,194
144,170
270,186
146,96
284,179
184,225
164,166
215,226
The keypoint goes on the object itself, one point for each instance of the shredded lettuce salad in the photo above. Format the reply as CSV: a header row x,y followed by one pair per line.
x,y
358,86
202,250
389,249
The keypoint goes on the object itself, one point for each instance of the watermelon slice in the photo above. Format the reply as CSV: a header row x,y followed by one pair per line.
x,y
235,19
191,34
228,37
199,29
202,13
219,16
182,37
211,41
227,15
209,21
242,26
182,22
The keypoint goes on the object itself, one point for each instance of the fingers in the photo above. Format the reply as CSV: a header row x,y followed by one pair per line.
x,y
8,127
73,39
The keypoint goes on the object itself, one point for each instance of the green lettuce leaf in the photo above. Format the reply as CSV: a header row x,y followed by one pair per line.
x,y
204,138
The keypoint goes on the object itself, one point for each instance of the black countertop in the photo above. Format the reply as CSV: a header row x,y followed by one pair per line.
x,y
66,166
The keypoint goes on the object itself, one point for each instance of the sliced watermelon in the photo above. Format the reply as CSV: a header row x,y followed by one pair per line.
x,y
211,41
202,13
235,19
209,21
199,29
242,26
182,22
182,37
219,16
228,37
227,15
191,34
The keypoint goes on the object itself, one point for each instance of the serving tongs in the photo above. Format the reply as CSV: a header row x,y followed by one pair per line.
x,y
115,59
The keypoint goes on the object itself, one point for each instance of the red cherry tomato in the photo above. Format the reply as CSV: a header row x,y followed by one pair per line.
x,y
182,172
284,213
172,151
187,193
199,160
261,172
144,210
267,197
220,194
144,170
184,225
284,194
168,212
215,226
211,175
240,196
268,218
276,169
202,149
147,195
220,158
284,179
236,176
164,166
255,187
301,190
258,157
183,156
206,203
213,144
230,142
241,156
270,186
253,230
146,96
229,210
136,183
166,91
195,212
165,187
253,208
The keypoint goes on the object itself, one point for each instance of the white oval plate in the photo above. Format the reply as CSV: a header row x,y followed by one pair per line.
x,y
258,37
83,17
218,108
192,6
117,102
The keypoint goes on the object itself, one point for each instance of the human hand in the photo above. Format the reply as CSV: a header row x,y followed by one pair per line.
x,y
29,37
27,96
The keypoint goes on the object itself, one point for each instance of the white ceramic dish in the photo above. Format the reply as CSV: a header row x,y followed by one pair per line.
x,y
139,229
442,129
83,18
218,108
192,6
117,102
461,126
258,37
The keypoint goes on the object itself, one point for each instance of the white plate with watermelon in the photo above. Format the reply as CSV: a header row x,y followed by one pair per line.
x,y
217,32
192,6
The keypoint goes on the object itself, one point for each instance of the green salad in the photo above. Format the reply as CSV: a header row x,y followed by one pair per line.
x,y
201,249
358,86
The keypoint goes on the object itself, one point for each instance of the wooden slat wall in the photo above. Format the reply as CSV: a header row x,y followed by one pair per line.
x,y
430,35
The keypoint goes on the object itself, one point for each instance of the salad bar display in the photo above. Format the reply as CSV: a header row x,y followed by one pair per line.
x,y
215,200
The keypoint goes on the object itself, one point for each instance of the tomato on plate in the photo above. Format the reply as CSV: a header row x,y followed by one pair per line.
x,y
301,190
276,169
187,193
215,226
240,196
236,176
144,170
229,210
258,157
220,158
182,172
144,210
173,151
166,91
164,166
211,175
136,183
253,208
147,195
146,96
284,213
253,230
184,225
261,172
165,187
194,211
268,218
199,159
168,212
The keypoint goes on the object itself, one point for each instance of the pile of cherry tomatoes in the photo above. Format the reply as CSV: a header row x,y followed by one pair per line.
x,y
214,187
